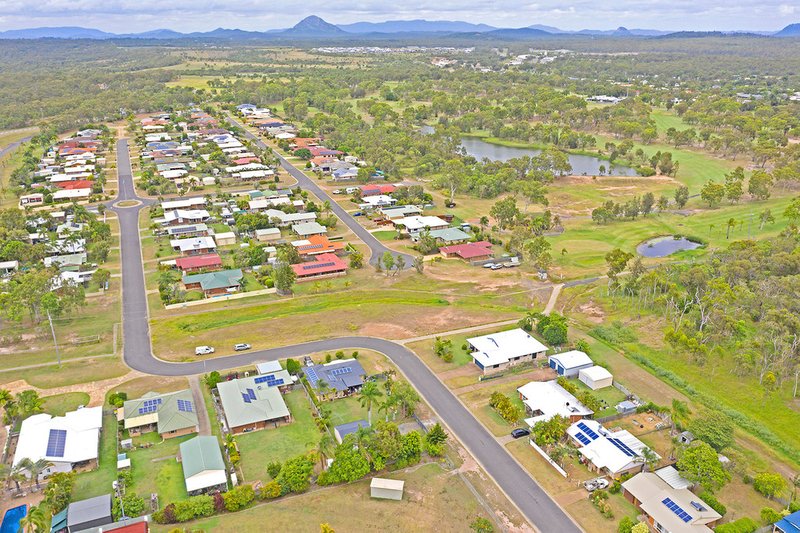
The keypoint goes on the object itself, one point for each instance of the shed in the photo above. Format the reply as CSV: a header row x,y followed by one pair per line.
x,y
203,466
596,377
85,514
225,239
570,363
343,430
387,489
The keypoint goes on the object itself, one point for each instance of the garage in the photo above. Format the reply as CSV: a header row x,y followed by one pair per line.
x,y
596,377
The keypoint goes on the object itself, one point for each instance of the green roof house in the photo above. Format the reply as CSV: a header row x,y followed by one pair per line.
x,y
203,466
252,403
214,283
172,414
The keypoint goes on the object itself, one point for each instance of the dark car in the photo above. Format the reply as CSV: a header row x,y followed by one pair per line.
x,y
520,432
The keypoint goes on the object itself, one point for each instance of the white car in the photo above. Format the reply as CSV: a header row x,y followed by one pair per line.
x,y
488,265
203,350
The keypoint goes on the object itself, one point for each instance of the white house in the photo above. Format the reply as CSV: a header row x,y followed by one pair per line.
x,y
288,219
373,202
596,377
609,452
545,399
194,245
417,224
497,351
67,442
185,203
569,363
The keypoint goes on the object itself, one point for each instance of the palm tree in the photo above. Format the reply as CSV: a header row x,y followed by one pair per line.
x,y
35,468
323,448
17,475
29,403
680,414
650,458
34,521
362,434
369,394
323,388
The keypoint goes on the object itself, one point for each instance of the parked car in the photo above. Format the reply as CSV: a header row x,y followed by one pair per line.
x,y
488,265
338,191
203,350
595,484
496,266
241,347
357,214
602,483
520,432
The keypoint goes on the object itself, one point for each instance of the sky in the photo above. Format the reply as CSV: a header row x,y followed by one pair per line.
x,y
123,16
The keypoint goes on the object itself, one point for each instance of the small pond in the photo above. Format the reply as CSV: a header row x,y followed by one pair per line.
x,y
664,246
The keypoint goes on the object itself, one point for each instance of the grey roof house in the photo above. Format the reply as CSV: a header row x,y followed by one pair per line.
x,y
343,376
172,414
252,403
343,430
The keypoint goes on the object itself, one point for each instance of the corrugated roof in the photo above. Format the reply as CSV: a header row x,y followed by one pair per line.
x,y
201,454
267,405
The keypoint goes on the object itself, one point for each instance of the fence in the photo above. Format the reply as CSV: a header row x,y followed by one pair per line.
x,y
548,459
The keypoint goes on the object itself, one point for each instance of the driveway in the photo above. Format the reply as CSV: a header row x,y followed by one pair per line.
x,y
377,248
530,498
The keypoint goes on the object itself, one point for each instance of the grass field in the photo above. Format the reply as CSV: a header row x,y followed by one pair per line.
x,y
258,448
156,469
666,119
59,404
434,500
52,376
98,481
346,410
193,82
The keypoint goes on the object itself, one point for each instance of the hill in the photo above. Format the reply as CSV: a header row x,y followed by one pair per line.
x,y
415,26
792,30
313,26
64,32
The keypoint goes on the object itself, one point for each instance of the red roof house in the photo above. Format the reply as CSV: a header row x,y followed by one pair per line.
x,y
471,251
76,184
316,245
375,190
324,265
199,262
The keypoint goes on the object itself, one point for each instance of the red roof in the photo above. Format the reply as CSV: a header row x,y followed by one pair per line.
x,y
139,527
76,184
198,261
469,250
373,190
246,160
323,264
318,244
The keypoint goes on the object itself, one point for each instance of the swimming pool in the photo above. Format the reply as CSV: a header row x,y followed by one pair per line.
x,y
11,519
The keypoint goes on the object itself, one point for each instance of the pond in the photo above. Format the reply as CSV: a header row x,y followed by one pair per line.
x,y
581,164
664,246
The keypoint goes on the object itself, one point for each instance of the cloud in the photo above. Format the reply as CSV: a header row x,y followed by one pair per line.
x,y
199,15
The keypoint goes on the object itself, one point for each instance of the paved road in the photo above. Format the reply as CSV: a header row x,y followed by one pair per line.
x,y
13,146
535,504
376,247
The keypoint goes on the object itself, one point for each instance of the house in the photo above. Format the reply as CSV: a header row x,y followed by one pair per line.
x,y
226,238
417,224
667,508
71,194
214,283
275,375
596,377
203,466
31,200
196,263
400,211
343,430
8,267
177,217
307,229
343,377
569,363
545,399
90,513
284,220
374,202
268,234
610,453
387,489
188,230
374,190
323,266
788,524
171,414
194,245
68,442
252,403
317,244
471,251
66,261
450,235
498,351
185,203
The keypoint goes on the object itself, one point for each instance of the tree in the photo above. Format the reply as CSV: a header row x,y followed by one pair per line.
x,y
699,463
625,525
792,211
436,435
505,211
681,196
712,193
549,432
326,528
212,379
387,262
368,396
769,484
419,264
680,413
533,192
640,527
295,474
765,218
293,366
537,251
349,464
284,277
238,497
617,261
481,525
58,491
35,521
452,178
714,428
356,259
399,263
648,201
760,185
734,185
553,328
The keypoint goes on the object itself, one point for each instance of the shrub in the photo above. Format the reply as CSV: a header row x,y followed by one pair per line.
x,y
292,366
271,490
743,525
615,487
273,469
625,525
641,527
481,525
599,499
239,497
769,484
770,515
713,502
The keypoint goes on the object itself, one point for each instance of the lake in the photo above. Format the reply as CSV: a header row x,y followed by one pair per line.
x,y
581,164
664,246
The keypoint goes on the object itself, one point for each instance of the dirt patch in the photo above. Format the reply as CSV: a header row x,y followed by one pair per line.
x,y
468,463
385,330
592,311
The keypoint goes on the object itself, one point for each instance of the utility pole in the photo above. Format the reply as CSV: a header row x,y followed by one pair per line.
x,y
55,342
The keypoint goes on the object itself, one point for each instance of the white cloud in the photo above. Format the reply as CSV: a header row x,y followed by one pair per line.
x,y
786,9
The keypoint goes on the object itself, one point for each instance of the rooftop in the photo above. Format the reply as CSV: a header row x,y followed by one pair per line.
x,y
498,348
677,510
615,451
89,510
550,399
251,399
572,359
71,438
340,375
170,411
221,279
469,250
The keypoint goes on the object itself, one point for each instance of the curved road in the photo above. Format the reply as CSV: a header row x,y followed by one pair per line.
x,y
377,248
529,497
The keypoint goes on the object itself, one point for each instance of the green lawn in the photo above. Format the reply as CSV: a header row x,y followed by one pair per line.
x,y
69,373
278,444
59,404
666,119
611,395
346,410
98,481
156,469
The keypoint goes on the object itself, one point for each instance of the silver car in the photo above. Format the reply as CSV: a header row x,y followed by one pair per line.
x,y
241,347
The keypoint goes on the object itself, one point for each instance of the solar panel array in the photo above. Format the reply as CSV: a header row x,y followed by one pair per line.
x,y
340,371
586,429
246,397
270,380
675,508
56,442
315,266
185,406
582,438
622,447
251,393
149,406
311,373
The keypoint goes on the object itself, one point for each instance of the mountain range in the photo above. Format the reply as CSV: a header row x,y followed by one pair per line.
x,y
313,27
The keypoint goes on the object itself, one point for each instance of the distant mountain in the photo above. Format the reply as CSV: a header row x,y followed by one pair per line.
x,y
415,26
548,29
517,33
155,34
625,32
313,26
792,30
65,32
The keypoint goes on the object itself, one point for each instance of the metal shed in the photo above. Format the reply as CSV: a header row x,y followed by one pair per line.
x,y
387,489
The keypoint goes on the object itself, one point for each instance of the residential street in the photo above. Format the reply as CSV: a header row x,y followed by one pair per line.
x,y
535,504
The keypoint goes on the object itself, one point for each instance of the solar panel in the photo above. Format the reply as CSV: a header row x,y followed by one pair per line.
x,y
313,266
311,373
586,429
340,371
56,442
185,406
698,506
675,508
246,397
261,379
622,447
251,393
276,382
582,438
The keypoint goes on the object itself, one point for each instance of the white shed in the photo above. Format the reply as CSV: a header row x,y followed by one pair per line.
x,y
596,377
568,364
387,489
